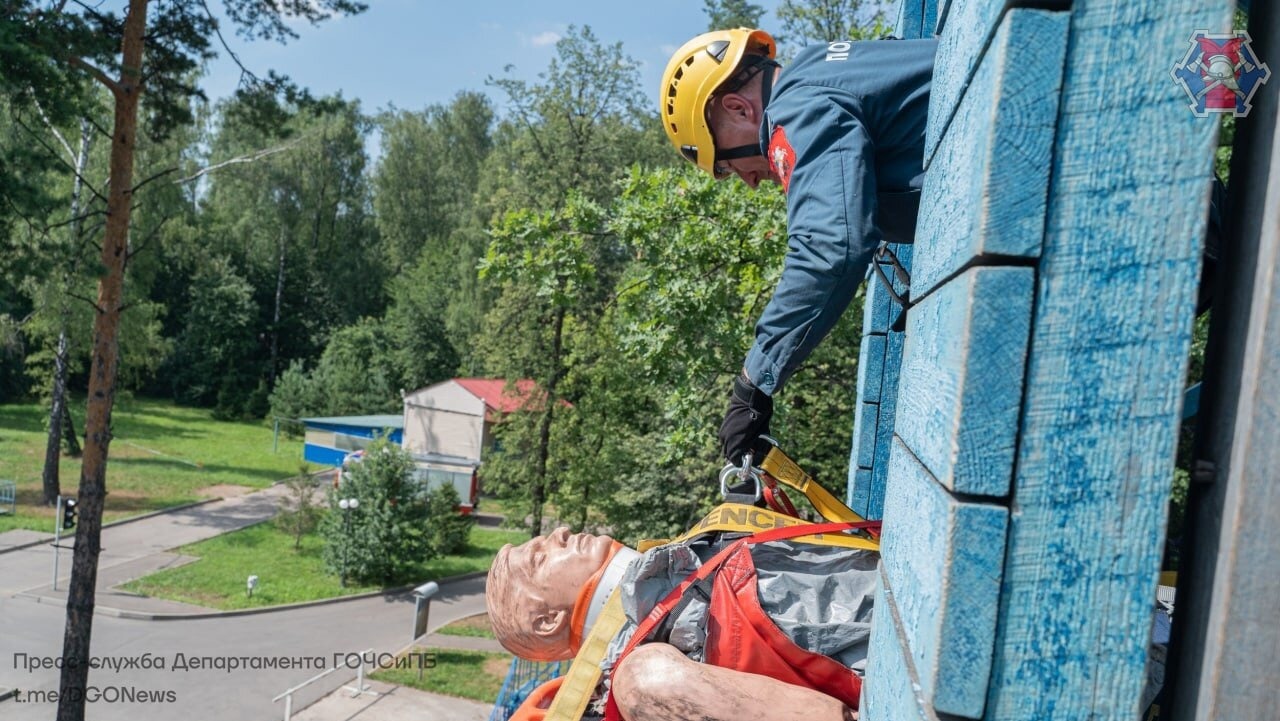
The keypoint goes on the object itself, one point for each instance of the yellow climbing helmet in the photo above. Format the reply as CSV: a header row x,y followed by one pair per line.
x,y
693,74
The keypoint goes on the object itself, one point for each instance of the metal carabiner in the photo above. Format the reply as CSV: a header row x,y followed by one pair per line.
x,y
743,474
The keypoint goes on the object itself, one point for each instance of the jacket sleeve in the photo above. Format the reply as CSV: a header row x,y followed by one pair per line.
x,y
831,233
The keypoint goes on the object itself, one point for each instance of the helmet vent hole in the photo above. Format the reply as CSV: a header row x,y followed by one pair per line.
x,y
717,50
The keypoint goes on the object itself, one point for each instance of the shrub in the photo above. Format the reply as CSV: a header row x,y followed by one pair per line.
x,y
448,529
387,534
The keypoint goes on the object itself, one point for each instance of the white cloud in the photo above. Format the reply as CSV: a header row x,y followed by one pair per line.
x,y
544,39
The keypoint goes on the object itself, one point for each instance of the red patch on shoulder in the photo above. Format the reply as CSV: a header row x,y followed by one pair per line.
x,y
781,157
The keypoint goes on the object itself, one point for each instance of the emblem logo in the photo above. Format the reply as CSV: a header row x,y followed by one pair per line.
x,y
1220,73
781,156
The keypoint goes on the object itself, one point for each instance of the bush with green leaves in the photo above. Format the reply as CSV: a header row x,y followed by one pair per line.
x,y
386,535
448,530
397,525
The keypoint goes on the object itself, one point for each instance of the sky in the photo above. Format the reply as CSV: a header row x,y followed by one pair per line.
x,y
414,53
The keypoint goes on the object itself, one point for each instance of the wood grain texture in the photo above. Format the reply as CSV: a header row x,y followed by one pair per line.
x,y
871,368
960,390
916,18
877,307
986,190
1228,591
865,422
859,495
943,558
885,423
1111,331
891,688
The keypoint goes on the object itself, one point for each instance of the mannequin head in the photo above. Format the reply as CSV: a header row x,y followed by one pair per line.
x,y
532,588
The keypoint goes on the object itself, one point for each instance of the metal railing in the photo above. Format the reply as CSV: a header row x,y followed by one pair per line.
x,y
522,678
359,688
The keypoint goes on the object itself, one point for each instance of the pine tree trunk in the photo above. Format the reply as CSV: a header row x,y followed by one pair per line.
x,y
58,403
102,374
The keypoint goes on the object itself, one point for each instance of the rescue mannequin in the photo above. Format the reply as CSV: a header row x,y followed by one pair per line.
x,y
841,129
542,595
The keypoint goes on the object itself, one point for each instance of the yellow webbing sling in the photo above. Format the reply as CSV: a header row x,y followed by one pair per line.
x,y
584,673
785,470
741,518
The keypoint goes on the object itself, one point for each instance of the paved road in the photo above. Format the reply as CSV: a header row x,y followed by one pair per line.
x,y
35,628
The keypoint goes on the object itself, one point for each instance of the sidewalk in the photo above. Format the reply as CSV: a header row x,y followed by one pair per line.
x,y
393,703
132,550
401,703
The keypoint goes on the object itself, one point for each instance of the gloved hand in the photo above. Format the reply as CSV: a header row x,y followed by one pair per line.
x,y
746,420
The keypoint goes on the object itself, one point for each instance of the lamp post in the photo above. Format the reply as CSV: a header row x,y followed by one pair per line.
x,y
347,505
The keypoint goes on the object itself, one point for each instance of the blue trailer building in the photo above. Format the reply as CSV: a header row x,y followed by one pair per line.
x,y
329,440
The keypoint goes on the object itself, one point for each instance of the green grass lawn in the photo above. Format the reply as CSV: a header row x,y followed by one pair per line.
x,y
472,626
476,675
162,455
217,580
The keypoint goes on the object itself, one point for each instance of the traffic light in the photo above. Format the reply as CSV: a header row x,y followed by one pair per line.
x,y
69,513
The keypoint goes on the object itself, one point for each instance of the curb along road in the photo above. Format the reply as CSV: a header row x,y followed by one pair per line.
x,y
145,616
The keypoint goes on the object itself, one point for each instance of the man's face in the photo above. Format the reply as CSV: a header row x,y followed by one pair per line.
x,y
735,121
752,171
554,567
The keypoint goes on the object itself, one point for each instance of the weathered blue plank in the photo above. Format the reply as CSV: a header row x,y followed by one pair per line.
x,y
891,688
870,368
859,495
986,190
961,385
916,18
943,558
865,422
878,307
1111,331
885,423
965,29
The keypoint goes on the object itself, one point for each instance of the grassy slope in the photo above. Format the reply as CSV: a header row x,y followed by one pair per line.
x,y
476,675
286,576
161,456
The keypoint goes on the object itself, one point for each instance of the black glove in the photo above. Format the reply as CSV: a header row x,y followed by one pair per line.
x,y
746,420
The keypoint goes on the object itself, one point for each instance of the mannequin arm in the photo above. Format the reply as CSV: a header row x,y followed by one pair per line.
x,y
658,683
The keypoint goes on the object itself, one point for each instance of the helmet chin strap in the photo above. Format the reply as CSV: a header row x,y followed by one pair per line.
x,y
751,150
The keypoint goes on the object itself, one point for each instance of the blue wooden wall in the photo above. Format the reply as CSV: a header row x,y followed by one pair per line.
x,y
1019,437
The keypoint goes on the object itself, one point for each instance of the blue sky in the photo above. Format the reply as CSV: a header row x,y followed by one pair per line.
x,y
418,52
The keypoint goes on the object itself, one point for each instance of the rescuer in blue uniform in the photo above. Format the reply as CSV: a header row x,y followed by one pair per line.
x,y
842,130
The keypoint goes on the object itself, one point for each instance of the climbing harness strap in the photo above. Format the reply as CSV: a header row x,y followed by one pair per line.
x,y
584,673
742,518
699,577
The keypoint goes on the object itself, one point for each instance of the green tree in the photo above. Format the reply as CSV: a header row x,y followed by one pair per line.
x,y
722,14
296,219
548,265
819,21
432,226
299,514
579,128
83,41
386,535
427,176
448,530
217,338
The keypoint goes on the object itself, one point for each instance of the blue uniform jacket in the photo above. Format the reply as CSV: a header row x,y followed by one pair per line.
x,y
844,130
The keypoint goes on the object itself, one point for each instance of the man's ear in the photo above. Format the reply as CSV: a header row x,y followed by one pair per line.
x,y
739,108
550,623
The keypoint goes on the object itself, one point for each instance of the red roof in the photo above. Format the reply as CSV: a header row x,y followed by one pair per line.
x,y
493,392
